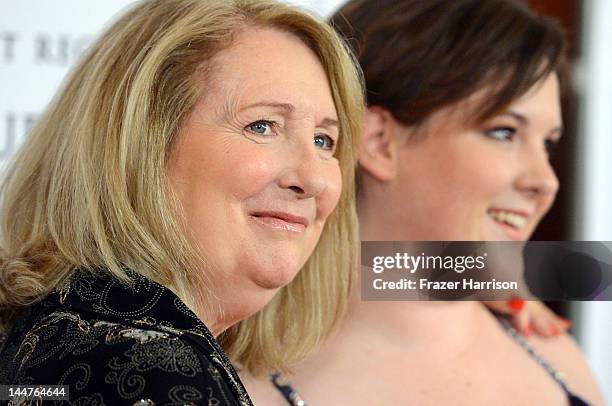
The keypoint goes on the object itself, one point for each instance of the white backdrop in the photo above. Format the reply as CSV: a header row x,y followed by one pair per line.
x,y
40,39
593,220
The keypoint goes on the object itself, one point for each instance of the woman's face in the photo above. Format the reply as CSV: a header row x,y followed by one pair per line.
x,y
254,164
490,181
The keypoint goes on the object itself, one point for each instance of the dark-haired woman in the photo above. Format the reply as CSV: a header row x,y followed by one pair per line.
x,y
464,104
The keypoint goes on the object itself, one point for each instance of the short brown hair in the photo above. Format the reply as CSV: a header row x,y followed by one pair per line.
x,y
419,56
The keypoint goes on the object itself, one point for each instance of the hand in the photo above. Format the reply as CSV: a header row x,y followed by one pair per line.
x,y
530,317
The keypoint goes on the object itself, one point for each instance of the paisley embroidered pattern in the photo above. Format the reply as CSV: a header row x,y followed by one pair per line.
x,y
113,343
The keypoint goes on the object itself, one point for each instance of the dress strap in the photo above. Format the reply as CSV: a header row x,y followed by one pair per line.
x,y
554,374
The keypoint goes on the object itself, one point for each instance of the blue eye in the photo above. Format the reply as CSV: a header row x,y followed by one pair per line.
x,y
261,127
501,133
325,142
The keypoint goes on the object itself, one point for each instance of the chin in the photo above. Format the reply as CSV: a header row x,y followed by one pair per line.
x,y
275,275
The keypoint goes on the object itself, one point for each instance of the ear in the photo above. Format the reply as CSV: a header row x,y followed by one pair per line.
x,y
378,149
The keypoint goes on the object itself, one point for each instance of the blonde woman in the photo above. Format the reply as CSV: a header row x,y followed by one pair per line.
x,y
191,165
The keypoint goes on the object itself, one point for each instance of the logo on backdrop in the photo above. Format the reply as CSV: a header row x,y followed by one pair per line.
x,y
27,51
13,125
42,48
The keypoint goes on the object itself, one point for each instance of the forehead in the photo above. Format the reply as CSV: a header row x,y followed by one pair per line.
x,y
542,100
267,64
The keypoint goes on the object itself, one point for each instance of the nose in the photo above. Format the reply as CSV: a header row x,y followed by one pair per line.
x,y
306,171
538,178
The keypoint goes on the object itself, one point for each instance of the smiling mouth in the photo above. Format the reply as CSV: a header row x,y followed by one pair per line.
x,y
512,222
281,221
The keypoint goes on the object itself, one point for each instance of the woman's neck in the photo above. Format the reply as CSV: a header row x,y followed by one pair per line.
x,y
410,321
415,322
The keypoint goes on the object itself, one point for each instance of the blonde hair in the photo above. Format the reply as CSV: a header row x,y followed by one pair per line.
x,y
88,188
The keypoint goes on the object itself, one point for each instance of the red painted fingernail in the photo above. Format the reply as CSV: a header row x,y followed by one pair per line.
x,y
566,323
516,304
554,331
529,330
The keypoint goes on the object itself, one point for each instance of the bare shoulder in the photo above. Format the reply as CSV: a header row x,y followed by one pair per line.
x,y
566,357
262,391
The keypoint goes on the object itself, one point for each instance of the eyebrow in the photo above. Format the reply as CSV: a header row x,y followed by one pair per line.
x,y
517,116
525,121
289,108
286,107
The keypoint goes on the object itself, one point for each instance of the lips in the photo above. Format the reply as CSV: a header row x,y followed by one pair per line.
x,y
281,221
512,222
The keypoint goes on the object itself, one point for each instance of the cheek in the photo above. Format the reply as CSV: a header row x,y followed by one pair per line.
x,y
328,200
213,178
241,169
248,175
480,172
486,178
